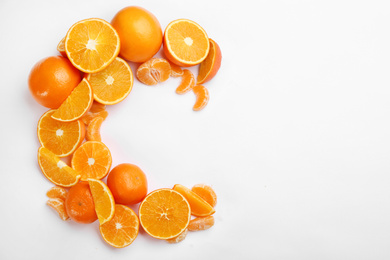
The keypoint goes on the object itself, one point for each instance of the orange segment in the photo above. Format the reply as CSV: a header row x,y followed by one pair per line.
x,y
210,66
56,170
122,229
154,71
201,223
185,43
61,47
164,214
103,199
206,192
76,104
179,238
57,192
91,44
93,129
176,71
112,84
97,109
187,82
59,206
92,159
62,138
199,207
202,97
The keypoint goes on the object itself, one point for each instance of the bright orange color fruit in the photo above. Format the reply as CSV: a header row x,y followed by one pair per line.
x,y
179,238
51,81
56,170
202,97
187,82
176,71
154,71
206,192
57,192
91,44
112,84
62,138
103,199
201,223
61,47
199,207
210,66
79,204
127,183
164,213
59,206
97,110
185,43
122,229
140,33
93,129
76,104
92,160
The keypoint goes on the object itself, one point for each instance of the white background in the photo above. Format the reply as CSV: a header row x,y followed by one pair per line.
x,y
295,139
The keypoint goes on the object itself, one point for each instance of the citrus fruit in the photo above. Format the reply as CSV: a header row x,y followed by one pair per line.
x,y
92,159
201,223
187,82
79,204
103,199
164,214
57,192
176,71
91,44
56,170
140,33
127,183
154,71
59,206
51,81
122,229
185,43
206,192
93,129
97,109
61,47
76,104
210,66
179,238
199,207
202,97
62,138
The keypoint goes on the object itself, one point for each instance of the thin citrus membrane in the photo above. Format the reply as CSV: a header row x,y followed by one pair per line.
x,y
201,223
154,71
57,192
187,82
59,206
202,97
93,129
97,109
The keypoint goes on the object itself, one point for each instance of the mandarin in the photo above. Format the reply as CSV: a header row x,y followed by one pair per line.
x,y
79,204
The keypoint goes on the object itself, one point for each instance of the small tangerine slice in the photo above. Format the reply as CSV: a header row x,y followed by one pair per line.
x,y
57,192
61,48
201,223
199,207
206,192
154,71
187,82
59,206
76,104
176,71
103,199
179,238
164,213
56,170
97,109
210,66
202,97
92,159
122,229
93,129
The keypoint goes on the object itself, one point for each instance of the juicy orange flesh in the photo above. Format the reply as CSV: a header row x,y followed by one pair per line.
x,y
187,82
206,192
202,97
199,207
59,206
206,65
97,109
154,71
57,192
93,130
176,71
103,199
201,223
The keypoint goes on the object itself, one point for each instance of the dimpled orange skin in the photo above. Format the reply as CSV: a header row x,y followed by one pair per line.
x,y
139,32
79,204
52,79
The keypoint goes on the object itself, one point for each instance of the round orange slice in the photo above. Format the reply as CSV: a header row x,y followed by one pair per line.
x,y
92,44
210,66
185,43
164,213
113,84
122,229
62,138
103,199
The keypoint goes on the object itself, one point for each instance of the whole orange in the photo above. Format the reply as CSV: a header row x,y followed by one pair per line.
x,y
52,79
79,204
127,183
139,32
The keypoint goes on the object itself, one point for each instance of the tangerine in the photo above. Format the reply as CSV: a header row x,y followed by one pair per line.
x,y
79,204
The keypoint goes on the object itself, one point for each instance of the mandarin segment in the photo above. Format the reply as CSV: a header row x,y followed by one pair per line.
x,y
61,47
57,192
202,97
59,206
97,110
93,129
210,66
176,71
154,71
103,199
201,223
187,82
179,238
206,192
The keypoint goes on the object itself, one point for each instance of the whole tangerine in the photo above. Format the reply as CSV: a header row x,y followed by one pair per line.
x,y
127,183
52,79
79,204
139,32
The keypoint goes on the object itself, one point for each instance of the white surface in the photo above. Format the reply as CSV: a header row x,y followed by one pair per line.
x,y
295,139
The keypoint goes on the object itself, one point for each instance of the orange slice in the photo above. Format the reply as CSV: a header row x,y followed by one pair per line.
x,y
62,138
201,223
202,97
57,192
113,84
185,43
59,206
56,170
176,71
210,66
154,71
187,82
76,104
179,238
93,129
97,109
103,199
199,207
206,192
164,213
61,47
122,229
92,159
91,44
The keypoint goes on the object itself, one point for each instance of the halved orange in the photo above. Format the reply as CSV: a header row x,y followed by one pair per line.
x,y
112,84
103,199
93,129
122,229
97,109
154,71
93,160
59,206
76,104
185,43
92,44
61,47
210,66
202,97
201,223
187,82
164,213
199,207
57,192
206,192
56,170
62,138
